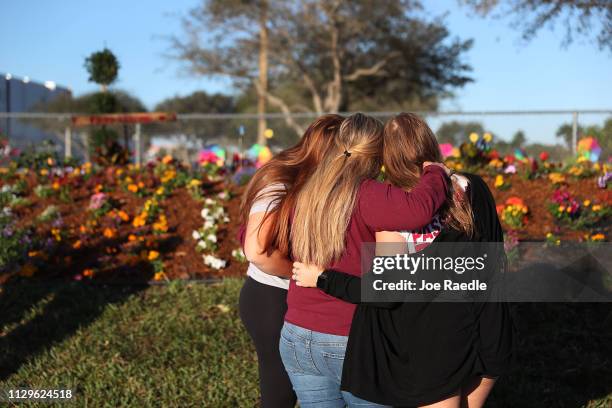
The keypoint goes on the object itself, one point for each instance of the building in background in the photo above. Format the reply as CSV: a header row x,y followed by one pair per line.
x,y
21,95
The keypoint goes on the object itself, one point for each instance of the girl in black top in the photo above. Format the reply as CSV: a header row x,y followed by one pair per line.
x,y
417,354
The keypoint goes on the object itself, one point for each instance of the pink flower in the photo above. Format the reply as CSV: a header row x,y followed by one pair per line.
x,y
96,201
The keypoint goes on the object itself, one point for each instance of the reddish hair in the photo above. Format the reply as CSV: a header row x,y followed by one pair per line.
x,y
291,168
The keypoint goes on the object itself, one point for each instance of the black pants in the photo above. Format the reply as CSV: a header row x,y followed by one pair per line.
x,y
262,310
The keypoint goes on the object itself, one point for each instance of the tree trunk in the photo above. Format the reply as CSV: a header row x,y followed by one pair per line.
x,y
263,73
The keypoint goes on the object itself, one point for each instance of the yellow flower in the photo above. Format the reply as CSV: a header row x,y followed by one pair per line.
x,y
44,172
499,181
496,163
473,137
568,209
598,237
56,234
556,178
133,188
159,276
153,255
596,207
55,185
549,234
586,203
33,254
196,182
159,191
487,137
561,208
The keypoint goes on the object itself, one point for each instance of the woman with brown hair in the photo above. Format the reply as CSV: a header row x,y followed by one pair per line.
x,y
423,354
340,207
266,208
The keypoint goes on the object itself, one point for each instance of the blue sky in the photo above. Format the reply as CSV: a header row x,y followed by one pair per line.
x,y
50,40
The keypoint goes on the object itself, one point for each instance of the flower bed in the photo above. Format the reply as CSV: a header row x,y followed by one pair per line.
x,y
166,221
119,223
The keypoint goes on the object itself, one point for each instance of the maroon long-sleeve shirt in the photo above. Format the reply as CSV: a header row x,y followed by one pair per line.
x,y
379,207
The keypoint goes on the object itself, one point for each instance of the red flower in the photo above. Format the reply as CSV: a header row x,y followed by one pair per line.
x,y
509,159
544,156
515,201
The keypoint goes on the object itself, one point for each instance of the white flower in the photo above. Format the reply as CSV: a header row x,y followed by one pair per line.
x,y
209,201
208,224
202,244
196,235
205,213
222,195
211,237
226,219
214,262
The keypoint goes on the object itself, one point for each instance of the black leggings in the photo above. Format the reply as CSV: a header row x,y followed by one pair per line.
x,y
262,310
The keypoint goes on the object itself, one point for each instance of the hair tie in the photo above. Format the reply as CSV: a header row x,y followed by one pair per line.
x,y
347,153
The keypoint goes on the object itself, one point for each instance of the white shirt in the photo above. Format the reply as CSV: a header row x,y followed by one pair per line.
x,y
264,202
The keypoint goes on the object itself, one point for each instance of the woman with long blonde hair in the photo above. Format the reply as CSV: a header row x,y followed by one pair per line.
x,y
340,207
423,354
267,204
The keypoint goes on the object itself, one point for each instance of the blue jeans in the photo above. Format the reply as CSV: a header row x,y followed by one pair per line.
x,y
314,362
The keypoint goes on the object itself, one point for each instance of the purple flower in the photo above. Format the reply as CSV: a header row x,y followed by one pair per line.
x,y
602,181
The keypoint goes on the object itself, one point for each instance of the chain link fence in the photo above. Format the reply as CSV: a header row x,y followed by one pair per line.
x,y
190,133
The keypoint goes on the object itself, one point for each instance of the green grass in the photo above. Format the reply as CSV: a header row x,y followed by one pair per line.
x,y
158,346
184,345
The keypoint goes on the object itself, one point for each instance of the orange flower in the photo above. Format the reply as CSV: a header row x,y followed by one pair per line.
x,y
159,276
153,255
89,273
55,185
132,238
77,244
515,201
133,188
109,233
124,216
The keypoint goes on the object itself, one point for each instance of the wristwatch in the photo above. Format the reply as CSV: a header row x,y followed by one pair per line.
x,y
322,280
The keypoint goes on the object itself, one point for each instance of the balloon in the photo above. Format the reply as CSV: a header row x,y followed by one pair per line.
x,y
520,154
264,155
446,149
589,148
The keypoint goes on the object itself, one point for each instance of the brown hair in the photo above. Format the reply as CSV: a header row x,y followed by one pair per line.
x,y
290,168
408,142
325,204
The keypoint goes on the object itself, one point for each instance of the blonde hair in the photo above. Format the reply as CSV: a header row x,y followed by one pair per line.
x,y
408,142
325,204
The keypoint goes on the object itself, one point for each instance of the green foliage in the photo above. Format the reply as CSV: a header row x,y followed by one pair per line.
x,y
102,67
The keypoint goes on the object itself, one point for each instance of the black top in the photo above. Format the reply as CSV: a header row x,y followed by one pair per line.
x,y
408,354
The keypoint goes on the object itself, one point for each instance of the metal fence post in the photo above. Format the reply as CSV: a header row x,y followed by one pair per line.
x,y
574,132
68,142
137,145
